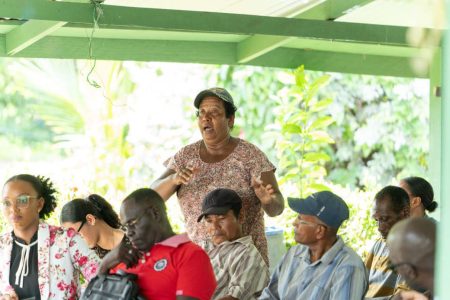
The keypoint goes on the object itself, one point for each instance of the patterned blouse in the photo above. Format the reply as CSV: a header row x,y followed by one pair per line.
x,y
234,172
62,256
101,252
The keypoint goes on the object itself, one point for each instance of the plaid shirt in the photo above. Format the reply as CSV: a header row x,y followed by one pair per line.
x,y
383,282
239,268
339,274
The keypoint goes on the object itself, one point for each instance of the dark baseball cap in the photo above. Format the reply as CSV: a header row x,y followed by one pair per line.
x,y
219,202
328,207
218,92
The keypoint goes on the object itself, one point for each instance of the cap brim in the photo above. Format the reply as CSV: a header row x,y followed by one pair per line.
x,y
301,206
216,210
204,94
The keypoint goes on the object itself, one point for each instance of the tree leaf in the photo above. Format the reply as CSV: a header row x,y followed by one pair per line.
x,y
291,128
316,157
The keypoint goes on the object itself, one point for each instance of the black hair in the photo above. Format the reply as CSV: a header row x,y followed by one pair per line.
x,y
149,197
230,109
397,196
77,209
236,208
419,187
44,188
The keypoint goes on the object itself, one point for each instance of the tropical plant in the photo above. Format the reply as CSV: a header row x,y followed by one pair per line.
x,y
303,120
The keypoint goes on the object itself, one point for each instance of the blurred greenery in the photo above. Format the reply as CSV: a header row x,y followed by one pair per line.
x,y
302,122
350,133
376,130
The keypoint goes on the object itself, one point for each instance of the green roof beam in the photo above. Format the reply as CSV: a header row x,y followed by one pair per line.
x,y
214,53
27,34
123,49
192,21
328,9
337,62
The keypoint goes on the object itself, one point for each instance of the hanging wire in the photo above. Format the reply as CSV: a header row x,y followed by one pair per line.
x,y
97,13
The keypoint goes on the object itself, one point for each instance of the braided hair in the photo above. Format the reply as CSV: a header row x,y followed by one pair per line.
x,y
44,188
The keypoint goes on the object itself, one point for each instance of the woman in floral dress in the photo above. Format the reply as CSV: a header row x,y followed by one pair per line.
x,y
219,160
37,260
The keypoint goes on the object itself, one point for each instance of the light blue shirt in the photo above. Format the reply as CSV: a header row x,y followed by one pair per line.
x,y
338,275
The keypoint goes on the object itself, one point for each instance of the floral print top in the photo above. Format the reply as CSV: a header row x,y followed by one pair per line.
x,y
234,172
62,255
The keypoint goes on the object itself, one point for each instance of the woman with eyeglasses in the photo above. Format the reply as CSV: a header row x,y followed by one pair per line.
x,y
220,160
97,222
37,260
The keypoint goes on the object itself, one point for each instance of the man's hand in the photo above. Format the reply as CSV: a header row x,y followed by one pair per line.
x,y
410,295
123,253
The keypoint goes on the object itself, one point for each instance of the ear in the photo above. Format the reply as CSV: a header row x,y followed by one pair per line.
x,y
415,202
321,232
41,203
91,219
155,213
241,219
410,272
231,121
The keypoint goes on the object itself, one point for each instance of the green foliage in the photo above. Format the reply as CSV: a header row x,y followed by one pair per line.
x,y
373,131
379,126
19,124
302,121
381,129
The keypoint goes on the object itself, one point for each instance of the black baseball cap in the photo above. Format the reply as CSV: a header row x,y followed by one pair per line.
x,y
325,205
218,92
219,202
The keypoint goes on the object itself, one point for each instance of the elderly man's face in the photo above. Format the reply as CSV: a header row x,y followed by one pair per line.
x,y
141,223
306,229
223,228
402,266
385,216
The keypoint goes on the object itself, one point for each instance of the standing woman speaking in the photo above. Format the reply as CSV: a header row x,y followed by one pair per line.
x,y
219,160
37,260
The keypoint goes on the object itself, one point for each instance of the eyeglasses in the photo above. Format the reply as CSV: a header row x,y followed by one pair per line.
x,y
132,223
81,225
213,113
22,201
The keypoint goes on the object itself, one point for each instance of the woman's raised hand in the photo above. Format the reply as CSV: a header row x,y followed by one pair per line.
x,y
265,193
184,175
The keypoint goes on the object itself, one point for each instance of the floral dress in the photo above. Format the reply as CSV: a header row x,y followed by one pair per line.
x,y
234,172
62,255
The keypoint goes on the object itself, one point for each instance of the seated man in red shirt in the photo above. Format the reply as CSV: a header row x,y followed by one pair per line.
x,y
168,266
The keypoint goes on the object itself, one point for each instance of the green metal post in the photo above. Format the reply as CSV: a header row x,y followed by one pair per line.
x,y
435,154
443,243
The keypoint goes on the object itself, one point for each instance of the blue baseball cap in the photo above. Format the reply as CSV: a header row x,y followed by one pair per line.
x,y
326,206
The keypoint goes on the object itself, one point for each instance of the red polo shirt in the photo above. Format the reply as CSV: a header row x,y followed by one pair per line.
x,y
175,266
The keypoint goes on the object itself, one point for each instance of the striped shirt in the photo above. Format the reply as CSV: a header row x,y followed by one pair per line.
x,y
239,268
338,275
383,282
